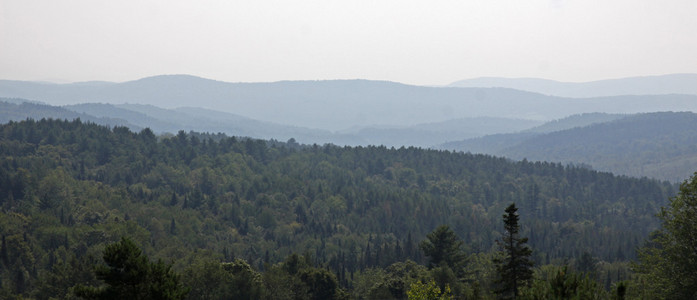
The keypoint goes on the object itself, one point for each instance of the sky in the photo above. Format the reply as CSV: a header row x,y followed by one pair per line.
x,y
413,42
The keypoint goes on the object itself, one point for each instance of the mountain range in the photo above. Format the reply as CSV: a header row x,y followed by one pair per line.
x,y
646,85
611,133
337,105
161,120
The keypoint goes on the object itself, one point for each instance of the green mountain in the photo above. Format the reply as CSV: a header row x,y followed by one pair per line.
x,y
69,188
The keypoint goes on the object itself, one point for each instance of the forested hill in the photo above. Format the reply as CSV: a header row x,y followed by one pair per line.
x,y
659,145
69,188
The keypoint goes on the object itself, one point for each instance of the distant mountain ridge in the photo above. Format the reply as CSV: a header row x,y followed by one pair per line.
x,y
160,120
660,145
21,109
335,105
203,120
646,85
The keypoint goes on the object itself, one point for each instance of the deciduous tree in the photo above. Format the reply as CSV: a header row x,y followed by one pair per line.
x,y
669,260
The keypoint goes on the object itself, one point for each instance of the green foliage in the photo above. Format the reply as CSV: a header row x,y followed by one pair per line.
x,y
68,189
129,275
563,284
394,281
245,282
321,284
668,261
444,249
428,291
208,280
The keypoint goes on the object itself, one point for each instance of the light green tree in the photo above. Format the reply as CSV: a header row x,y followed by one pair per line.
x,y
428,291
669,260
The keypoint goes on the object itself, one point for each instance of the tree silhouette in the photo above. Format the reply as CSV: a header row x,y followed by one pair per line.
x,y
514,267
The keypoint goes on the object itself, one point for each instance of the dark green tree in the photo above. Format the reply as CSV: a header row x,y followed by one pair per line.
x,y
669,260
565,284
129,275
246,282
321,283
444,248
514,266
586,264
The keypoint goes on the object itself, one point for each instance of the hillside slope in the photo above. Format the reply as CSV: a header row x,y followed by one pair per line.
x,y
657,145
70,188
495,143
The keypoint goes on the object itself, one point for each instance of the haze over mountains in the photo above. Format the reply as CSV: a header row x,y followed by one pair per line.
x,y
160,120
647,85
340,104
493,120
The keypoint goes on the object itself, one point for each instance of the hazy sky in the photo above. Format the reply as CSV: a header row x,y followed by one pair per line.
x,y
416,42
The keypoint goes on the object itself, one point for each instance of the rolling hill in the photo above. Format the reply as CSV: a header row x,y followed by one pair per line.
x,y
340,104
658,145
71,188
160,120
21,109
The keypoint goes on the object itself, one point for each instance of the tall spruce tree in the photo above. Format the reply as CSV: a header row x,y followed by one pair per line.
x,y
513,266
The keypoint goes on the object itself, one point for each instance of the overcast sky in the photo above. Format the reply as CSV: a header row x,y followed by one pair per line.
x,y
414,42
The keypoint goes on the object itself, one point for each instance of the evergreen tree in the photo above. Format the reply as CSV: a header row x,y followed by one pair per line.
x,y
445,249
129,275
514,266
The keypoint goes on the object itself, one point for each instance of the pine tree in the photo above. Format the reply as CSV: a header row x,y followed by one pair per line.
x,y
514,266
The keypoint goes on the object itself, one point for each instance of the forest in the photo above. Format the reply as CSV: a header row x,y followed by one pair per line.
x,y
210,216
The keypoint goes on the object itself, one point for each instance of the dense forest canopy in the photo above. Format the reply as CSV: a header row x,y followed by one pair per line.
x,y
68,189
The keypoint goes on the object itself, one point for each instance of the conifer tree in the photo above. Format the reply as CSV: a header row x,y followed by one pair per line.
x,y
513,267
128,274
444,248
